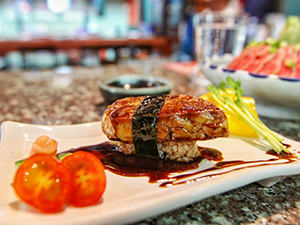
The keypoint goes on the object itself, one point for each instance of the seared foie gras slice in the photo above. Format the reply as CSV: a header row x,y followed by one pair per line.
x,y
181,118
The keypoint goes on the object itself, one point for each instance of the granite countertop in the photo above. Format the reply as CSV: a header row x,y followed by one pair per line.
x,y
50,98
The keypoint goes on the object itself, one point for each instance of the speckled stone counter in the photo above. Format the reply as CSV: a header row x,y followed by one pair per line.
x,y
51,98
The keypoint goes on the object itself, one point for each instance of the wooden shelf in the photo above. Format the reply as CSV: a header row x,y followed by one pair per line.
x,y
159,43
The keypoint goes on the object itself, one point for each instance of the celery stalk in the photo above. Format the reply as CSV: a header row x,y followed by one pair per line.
x,y
237,107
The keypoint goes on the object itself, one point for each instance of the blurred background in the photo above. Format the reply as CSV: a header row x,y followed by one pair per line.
x,y
43,34
63,61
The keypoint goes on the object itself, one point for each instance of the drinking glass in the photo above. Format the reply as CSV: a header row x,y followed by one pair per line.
x,y
218,34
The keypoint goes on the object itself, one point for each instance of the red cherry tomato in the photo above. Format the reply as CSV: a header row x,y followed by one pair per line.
x,y
43,182
88,178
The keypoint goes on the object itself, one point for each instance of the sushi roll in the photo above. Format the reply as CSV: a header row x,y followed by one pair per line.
x,y
166,127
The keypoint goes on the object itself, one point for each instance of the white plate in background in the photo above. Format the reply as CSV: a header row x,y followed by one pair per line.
x,y
126,199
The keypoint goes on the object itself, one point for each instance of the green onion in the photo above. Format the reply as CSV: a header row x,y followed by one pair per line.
x,y
63,155
273,49
271,41
237,107
18,163
253,43
290,63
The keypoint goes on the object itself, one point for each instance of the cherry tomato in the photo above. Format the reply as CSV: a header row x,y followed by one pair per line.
x,y
88,178
43,182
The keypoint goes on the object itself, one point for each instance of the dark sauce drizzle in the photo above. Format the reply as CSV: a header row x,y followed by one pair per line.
x,y
286,145
158,169
136,166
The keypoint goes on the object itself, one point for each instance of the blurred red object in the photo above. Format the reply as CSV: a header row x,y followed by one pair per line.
x,y
214,5
183,68
284,62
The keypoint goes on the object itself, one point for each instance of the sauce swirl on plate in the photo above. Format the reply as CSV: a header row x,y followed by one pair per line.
x,y
162,171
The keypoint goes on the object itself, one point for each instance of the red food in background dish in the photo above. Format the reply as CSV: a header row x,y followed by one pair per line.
x,y
292,55
262,59
259,58
247,56
273,66
298,65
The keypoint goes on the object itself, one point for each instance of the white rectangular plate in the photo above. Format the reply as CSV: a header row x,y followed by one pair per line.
x,y
126,199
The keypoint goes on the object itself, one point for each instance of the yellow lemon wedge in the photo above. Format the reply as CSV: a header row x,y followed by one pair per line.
x,y
236,126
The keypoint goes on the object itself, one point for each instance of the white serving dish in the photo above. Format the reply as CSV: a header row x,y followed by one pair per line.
x,y
276,97
127,199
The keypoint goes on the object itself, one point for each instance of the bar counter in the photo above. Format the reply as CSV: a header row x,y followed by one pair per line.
x,y
46,97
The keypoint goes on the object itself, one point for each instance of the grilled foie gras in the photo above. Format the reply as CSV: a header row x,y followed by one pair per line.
x,y
175,123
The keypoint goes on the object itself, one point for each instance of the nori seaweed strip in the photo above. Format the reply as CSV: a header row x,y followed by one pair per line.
x,y
144,126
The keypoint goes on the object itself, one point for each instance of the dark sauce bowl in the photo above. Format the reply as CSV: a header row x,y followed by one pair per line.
x,y
132,86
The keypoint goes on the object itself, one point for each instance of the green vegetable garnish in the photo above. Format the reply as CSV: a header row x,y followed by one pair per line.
x,y
60,157
254,43
273,50
271,41
18,163
296,47
290,63
237,107
274,44
63,155
291,31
